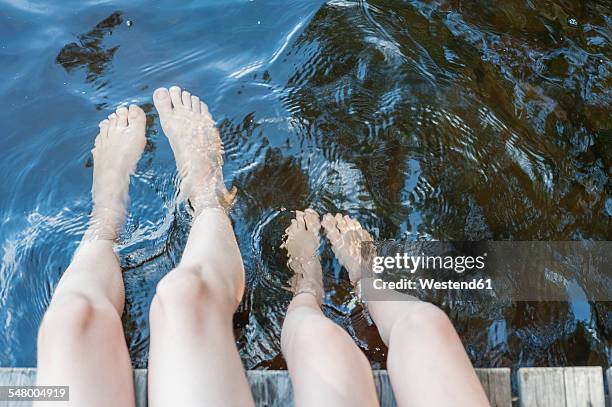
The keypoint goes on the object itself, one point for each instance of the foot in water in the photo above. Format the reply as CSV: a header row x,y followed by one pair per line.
x,y
302,245
345,235
197,148
118,148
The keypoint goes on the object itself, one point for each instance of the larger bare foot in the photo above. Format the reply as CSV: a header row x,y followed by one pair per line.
x,y
197,148
302,244
118,148
345,235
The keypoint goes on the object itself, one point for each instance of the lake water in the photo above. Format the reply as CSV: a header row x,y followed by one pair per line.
x,y
447,120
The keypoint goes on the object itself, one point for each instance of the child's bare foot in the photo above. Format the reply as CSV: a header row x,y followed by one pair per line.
x,y
302,244
345,235
197,147
118,148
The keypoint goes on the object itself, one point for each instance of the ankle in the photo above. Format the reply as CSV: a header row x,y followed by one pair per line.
x,y
308,279
211,197
105,223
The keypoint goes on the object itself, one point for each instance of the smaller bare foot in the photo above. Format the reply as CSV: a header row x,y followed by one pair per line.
x,y
345,235
118,148
197,148
302,245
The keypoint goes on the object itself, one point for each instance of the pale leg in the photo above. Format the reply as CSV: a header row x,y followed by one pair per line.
x,y
81,342
427,363
193,359
325,365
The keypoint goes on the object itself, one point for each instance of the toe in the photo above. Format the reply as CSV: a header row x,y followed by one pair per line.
x,y
331,230
311,217
203,107
333,234
112,120
103,125
136,116
341,222
292,228
186,98
299,217
351,223
328,221
122,114
195,104
175,96
161,98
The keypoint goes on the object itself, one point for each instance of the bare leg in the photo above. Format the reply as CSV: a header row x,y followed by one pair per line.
x,y
325,365
193,360
81,342
427,363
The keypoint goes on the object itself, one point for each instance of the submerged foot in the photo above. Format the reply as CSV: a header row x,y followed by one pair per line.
x,y
197,148
345,235
302,245
118,148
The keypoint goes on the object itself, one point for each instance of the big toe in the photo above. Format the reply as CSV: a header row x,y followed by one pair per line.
x,y
311,218
300,219
330,225
292,228
342,223
162,101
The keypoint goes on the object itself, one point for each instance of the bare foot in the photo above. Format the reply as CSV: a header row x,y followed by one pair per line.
x,y
302,244
345,235
197,148
118,148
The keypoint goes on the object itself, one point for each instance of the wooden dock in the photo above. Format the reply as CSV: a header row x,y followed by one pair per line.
x,y
537,387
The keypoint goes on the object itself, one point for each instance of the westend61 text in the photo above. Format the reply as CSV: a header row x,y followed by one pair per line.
x,y
431,284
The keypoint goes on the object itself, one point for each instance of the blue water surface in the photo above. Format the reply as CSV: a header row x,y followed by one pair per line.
x,y
442,120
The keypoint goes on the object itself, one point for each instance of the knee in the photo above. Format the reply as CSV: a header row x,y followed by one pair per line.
x,y
74,316
309,334
181,292
425,321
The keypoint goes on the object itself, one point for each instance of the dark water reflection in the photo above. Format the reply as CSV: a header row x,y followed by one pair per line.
x,y
445,120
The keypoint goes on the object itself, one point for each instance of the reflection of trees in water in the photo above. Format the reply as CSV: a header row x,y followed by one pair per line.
x,y
276,182
384,86
89,52
359,91
336,92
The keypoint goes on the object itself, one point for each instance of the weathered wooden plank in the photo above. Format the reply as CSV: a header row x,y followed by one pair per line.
x,y
383,389
17,377
541,387
584,386
496,384
27,377
558,387
273,388
609,380
140,387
